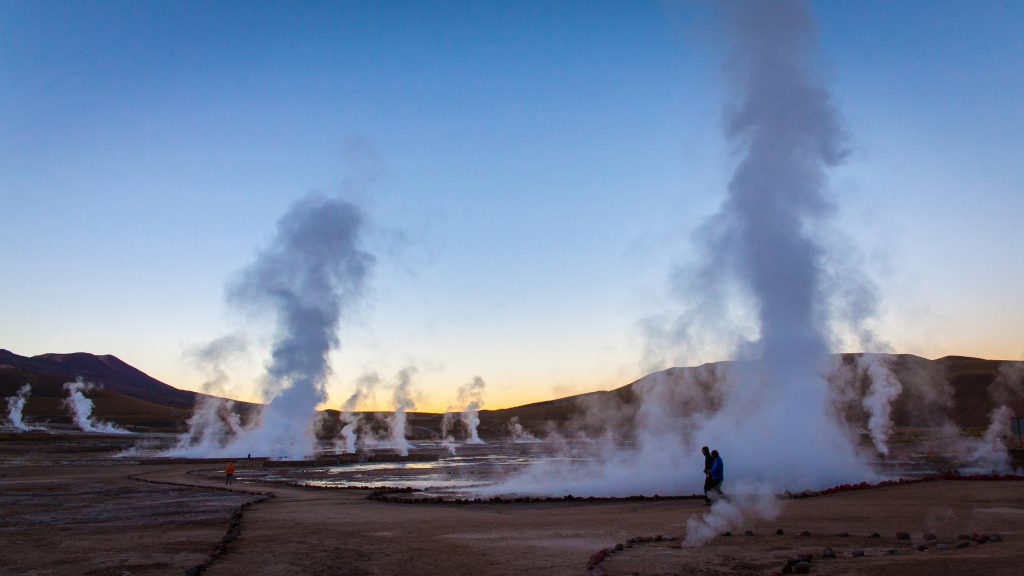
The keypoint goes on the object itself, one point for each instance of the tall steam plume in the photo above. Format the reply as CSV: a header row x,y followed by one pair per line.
x,y
15,406
760,290
403,401
787,135
314,269
81,408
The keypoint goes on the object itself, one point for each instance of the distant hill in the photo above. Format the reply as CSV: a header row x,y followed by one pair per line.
x,y
130,397
127,395
110,371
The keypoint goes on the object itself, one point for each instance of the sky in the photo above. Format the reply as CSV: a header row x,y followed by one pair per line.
x,y
532,173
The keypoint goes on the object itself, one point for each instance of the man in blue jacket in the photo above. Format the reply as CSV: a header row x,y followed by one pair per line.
x,y
717,473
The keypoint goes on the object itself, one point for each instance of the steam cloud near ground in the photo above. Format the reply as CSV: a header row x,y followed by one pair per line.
x,y
15,408
80,407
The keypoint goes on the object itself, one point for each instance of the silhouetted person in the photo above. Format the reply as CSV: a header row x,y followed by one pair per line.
x,y
229,473
717,473
707,471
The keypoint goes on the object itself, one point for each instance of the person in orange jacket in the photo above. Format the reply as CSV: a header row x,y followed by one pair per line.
x,y
229,473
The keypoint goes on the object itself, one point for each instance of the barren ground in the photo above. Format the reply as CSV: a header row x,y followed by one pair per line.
x,y
67,510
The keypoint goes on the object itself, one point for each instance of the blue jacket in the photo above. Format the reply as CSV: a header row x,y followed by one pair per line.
x,y
717,469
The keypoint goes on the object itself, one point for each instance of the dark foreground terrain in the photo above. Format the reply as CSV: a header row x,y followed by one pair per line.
x,y
68,507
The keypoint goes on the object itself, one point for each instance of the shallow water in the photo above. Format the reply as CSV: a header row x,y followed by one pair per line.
x,y
471,467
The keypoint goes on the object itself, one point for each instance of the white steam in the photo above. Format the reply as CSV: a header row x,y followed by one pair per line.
x,y
745,503
519,434
15,407
760,288
365,386
470,401
81,409
214,421
884,388
403,401
311,273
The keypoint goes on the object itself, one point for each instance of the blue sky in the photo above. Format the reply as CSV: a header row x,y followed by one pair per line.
x,y
532,173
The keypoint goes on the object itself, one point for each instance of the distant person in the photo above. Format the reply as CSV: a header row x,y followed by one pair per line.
x,y
229,473
707,471
717,473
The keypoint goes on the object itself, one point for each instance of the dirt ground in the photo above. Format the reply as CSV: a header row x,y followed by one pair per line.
x,y
72,510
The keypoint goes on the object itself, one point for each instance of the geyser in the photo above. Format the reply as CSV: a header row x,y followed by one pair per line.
x,y
309,275
81,409
214,421
470,400
15,406
760,286
403,401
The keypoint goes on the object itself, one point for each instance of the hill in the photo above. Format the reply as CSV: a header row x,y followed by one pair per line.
x,y
956,387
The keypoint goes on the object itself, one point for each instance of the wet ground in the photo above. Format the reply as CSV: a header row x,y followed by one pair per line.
x,y
68,507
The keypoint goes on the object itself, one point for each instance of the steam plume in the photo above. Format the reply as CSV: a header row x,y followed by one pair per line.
x,y
403,401
883,390
365,386
520,435
81,409
311,273
214,421
15,406
471,400
761,294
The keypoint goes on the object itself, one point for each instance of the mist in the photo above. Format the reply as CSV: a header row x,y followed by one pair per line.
x,y
15,407
759,289
214,421
81,407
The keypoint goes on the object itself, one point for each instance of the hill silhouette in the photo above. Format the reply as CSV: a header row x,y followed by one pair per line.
x,y
131,397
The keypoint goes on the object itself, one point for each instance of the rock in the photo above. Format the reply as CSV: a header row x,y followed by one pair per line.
x,y
805,533
727,533
619,546
994,538
963,544
921,548
902,536
748,533
828,553
802,568
779,532
892,552
942,546
875,535
857,553
658,538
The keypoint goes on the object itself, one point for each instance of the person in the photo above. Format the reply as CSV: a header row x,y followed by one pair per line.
x,y
717,473
229,473
707,471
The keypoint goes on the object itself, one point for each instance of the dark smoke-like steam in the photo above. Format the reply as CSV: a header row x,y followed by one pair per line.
x,y
312,271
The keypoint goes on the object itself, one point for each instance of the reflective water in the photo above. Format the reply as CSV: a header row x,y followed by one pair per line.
x,y
472,466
